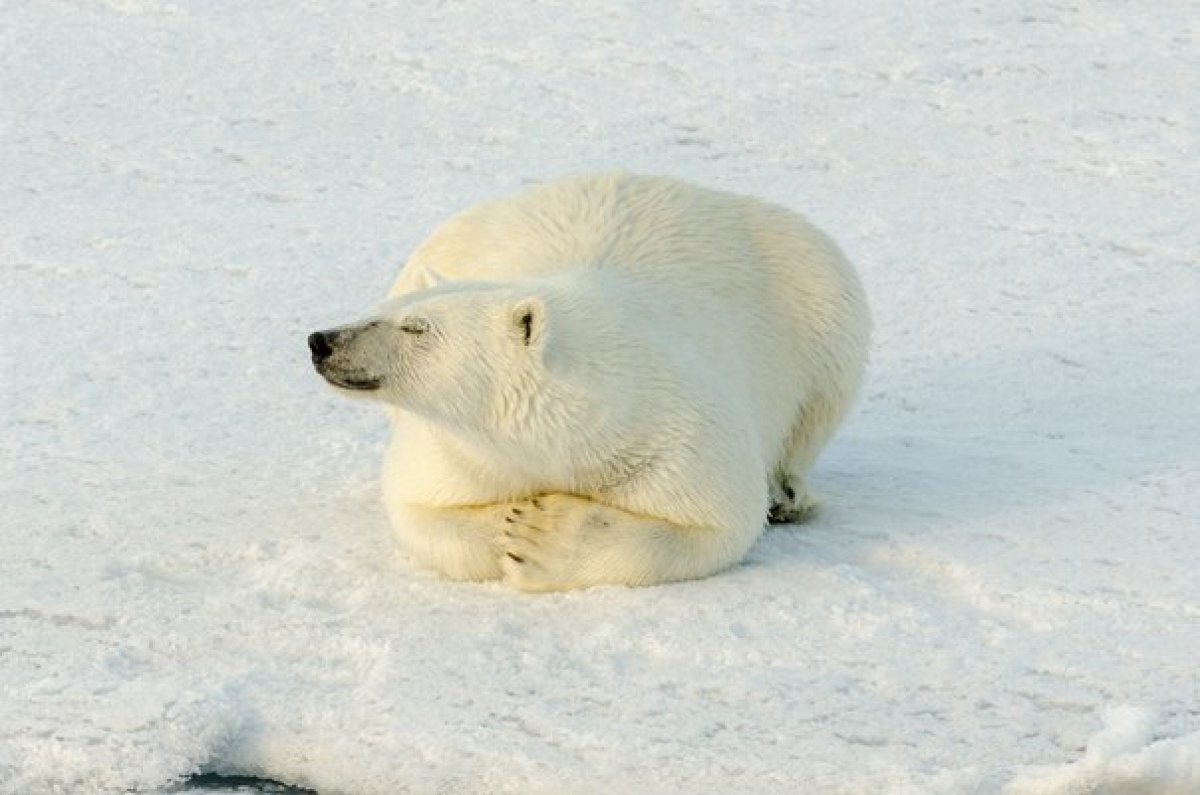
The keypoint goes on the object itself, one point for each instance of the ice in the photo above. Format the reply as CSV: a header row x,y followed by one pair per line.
x,y
999,596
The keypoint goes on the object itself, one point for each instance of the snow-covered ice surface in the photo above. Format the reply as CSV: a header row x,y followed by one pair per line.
x,y
1002,594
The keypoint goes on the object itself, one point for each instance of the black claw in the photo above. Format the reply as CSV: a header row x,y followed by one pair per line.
x,y
780,515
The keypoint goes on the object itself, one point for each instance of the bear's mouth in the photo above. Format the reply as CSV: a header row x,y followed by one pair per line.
x,y
358,384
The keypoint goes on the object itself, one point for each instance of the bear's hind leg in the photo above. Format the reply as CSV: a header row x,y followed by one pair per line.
x,y
791,499
558,542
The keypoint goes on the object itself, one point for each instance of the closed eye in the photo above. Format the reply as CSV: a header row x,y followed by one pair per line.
x,y
414,326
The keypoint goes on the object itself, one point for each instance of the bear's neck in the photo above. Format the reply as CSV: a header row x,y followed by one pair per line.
x,y
585,450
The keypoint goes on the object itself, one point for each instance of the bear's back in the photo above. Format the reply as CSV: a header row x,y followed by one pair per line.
x,y
712,250
653,228
761,296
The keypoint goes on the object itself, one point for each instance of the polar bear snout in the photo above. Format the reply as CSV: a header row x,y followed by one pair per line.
x,y
321,345
335,357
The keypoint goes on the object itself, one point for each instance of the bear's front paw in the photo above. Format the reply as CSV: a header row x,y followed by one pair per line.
x,y
543,542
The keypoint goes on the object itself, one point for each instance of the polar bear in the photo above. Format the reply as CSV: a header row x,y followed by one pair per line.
x,y
610,379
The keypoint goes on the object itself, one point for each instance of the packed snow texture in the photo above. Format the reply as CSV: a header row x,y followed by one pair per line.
x,y
1000,595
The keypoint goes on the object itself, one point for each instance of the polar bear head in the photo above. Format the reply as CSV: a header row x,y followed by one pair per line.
x,y
461,353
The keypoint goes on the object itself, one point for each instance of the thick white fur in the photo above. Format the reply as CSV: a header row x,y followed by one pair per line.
x,y
692,353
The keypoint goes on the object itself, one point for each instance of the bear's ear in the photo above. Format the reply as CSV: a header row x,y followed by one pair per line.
x,y
528,318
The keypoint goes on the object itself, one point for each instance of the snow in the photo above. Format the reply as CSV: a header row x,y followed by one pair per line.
x,y
1000,595
1121,758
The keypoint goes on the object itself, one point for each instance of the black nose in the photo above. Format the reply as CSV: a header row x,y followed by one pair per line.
x,y
321,344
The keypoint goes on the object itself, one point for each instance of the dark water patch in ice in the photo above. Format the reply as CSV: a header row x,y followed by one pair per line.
x,y
216,784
